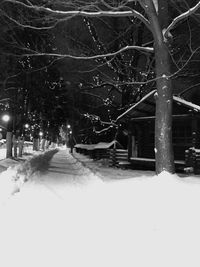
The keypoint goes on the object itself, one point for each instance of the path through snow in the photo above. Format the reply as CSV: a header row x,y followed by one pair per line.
x,y
68,216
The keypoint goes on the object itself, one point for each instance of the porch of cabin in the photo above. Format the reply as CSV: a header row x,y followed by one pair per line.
x,y
140,119
185,134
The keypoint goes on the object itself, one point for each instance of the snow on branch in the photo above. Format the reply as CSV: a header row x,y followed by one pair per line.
x,y
140,48
186,63
103,130
61,14
182,16
27,25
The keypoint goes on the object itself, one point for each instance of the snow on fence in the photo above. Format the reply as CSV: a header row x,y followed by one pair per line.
x,y
119,158
112,151
2,143
27,148
192,160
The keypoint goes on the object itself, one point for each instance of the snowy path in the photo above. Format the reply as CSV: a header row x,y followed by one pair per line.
x,y
69,217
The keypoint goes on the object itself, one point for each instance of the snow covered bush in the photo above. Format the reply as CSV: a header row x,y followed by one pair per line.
x,y
38,163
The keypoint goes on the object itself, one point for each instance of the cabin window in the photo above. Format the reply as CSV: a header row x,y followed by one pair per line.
x,y
182,133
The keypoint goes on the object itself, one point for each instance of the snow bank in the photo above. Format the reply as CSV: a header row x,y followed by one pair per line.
x,y
8,186
132,222
18,172
8,162
146,220
181,179
37,163
2,153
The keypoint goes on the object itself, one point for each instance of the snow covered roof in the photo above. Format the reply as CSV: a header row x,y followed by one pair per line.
x,y
128,112
146,107
104,145
100,145
85,146
187,103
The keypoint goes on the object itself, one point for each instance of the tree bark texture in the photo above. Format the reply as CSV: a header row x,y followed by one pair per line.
x,y
35,144
47,144
43,141
15,145
9,145
164,98
164,101
21,146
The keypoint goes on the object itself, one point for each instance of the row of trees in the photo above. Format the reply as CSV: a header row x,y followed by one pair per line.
x,y
123,48
30,87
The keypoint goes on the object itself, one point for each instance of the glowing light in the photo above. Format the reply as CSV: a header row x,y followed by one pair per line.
x,y
40,133
6,118
26,125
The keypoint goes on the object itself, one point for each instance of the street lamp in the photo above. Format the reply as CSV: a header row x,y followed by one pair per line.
x,y
6,117
9,128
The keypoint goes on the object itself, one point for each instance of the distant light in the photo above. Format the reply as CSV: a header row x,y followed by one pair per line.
x,y
70,132
40,133
26,125
6,118
0,129
68,126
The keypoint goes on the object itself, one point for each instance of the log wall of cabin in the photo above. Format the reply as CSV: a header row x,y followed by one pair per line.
x,y
182,133
181,137
145,139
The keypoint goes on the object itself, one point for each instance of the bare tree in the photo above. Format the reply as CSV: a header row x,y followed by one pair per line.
x,y
149,12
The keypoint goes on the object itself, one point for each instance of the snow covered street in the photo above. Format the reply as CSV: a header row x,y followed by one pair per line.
x,y
68,216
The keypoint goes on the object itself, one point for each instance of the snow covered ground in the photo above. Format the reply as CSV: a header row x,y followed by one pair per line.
x,y
71,215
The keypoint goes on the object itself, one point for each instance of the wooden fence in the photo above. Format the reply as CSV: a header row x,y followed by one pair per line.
x,y
192,160
119,158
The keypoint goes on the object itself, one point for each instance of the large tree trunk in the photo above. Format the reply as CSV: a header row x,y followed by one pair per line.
x,y
15,144
43,141
21,146
53,145
164,98
47,144
164,101
9,145
35,144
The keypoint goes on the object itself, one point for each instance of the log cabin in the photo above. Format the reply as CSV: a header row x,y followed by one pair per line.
x,y
139,119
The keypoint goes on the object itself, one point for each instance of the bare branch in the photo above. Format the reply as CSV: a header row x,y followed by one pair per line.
x,y
140,48
184,15
187,89
93,95
104,130
101,85
186,62
27,25
66,14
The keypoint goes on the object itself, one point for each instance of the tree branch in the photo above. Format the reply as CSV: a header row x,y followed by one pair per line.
x,y
140,48
66,14
184,15
27,25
